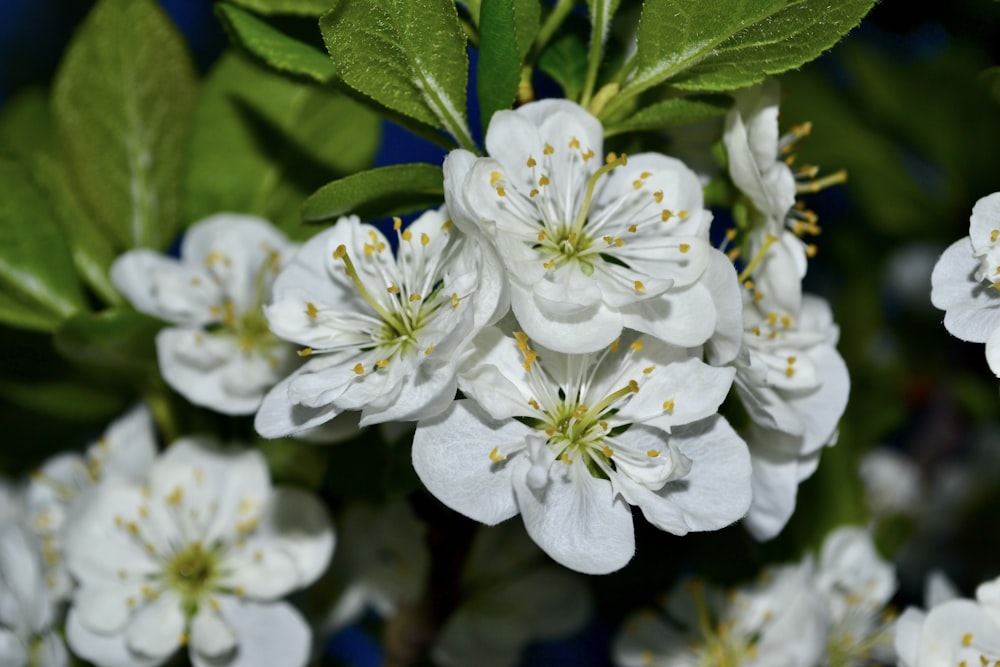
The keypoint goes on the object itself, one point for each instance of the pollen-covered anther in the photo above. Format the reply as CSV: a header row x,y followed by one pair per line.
x,y
305,352
534,404
668,405
648,369
666,214
424,239
454,300
733,254
548,150
653,453
967,639
311,309
633,386
522,340
574,143
429,350
639,287
447,225
531,162
636,345
549,265
392,289
359,368
543,180
529,358
175,496
587,155
415,297
533,192
607,451
811,250
684,248
994,235
614,346
382,363
496,456
407,235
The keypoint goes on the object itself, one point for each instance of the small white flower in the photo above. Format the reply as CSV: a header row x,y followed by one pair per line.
x,y
383,334
27,614
590,245
219,354
856,584
892,483
63,484
794,386
201,555
965,282
570,441
779,622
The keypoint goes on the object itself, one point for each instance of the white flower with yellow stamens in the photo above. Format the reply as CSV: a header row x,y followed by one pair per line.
x,y
383,333
200,556
759,165
779,621
590,244
794,386
219,352
63,484
965,282
571,441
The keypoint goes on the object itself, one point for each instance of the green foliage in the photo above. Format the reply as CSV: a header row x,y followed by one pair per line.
x,y
283,53
261,143
407,55
392,190
673,112
123,99
499,58
565,60
298,7
118,342
38,287
716,45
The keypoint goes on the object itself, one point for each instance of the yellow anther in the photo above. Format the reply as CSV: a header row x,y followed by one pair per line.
x,y
811,250
644,175
658,196
522,340
382,363
648,369
564,457
543,180
614,345
533,193
175,496
542,236
748,284
501,192
369,249
633,228
636,345
392,289
646,657
340,251
496,456
415,297
666,214
571,239
305,352
610,157
684,248
549,265
639,287
967,639
454,300
531,162
529,358
550,431
183,639
668,405
772,318
789,371
786,321
406,235
731,234
636,184
682,215
213,603
574,143
619,243
359,368
397,223
607,451
380,247
424,239
984,661
132,527
533,403
548,150
447,225
311,310
633,386
791,360
429,350
603,424
994,235
587,155
755,331
653,453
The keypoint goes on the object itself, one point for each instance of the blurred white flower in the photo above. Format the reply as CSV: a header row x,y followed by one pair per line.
x,y
60,488
892,483
590,245
571,441
779,622
383,334
219,352
28,637
199,556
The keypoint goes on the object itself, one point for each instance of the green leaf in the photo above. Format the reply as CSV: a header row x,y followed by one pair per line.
x,y
671,113
499,59
261,143
527,20
565,60
408,55
601,13
74,398
117,341
296,7
26,124
38,285
123,100
380,192
274,47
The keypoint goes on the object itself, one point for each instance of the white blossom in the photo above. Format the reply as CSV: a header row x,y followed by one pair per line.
x,y
200,555
218,353
571,441
779,622
383,334
892,483
590,245
28,637
965,282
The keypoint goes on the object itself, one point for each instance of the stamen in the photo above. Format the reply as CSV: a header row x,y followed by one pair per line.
x,y
835,178
342,254
592,183
758,258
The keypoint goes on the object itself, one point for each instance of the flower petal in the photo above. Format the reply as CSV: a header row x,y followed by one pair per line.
x,y
269,635
157,628
211,635
104,650
972,307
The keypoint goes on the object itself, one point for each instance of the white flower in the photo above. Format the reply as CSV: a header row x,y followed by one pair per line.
x,y
61,487
965,282
856,584
27,614
780,622
892,483
201,555
219,354
589,245
570,441
794,386
383,334
954,631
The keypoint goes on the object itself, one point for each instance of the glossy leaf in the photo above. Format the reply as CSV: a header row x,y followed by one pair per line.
x,y
393,190
118,341
565,60
297,7
499,59
671,113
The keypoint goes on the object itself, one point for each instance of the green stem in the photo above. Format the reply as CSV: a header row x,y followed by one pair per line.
x,y
594,54
549,28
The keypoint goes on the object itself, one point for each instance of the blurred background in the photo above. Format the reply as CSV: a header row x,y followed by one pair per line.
x,y
909,105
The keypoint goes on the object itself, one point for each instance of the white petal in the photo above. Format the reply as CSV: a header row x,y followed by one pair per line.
x,y
907,640
128,446
166,288
775,484
984,219
451,455
104,650
269,635
720,279
259,571
684,317
13,652
576,519
280,416
157,628
211,635
946,626
972,307
105,609
586,331
50,651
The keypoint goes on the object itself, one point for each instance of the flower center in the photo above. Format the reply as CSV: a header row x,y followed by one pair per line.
x,y
722,647
192,572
